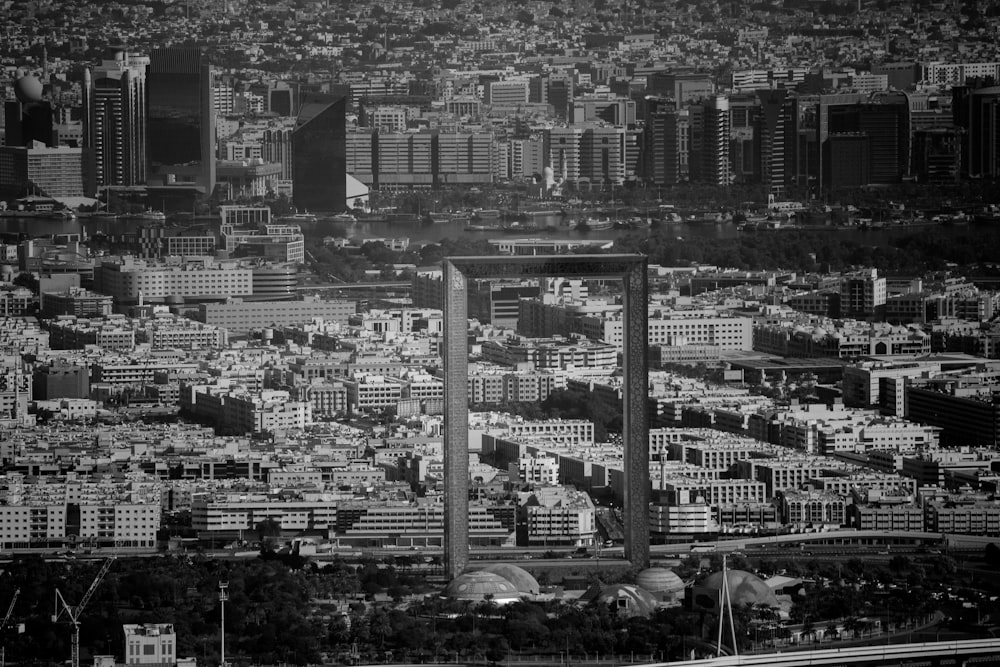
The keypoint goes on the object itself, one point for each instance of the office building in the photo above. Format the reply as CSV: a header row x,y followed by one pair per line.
x,y
506,93
776,139
588,155
114,120
319,171
709,147
862,294
977,111
937,155
153,645
241,316
661,157
845,160
28,118
42,170
180,124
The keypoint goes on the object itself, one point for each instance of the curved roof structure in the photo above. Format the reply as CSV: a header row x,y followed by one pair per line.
x,y
522,579
659,580
628,599
744,588
481,585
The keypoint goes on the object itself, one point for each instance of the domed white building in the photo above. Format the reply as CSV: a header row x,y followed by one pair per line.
x,y
480,586
663,583
628,599
521,578
744,588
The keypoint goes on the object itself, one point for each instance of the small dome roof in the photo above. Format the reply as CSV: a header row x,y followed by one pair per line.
x,y
628,599
659,580
521,578
480,584
28,89
744,588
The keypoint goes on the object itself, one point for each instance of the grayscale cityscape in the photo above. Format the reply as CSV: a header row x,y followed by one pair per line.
x,y
565,333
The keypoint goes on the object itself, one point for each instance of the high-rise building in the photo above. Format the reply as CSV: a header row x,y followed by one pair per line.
x,y
319,173
888,141
937,155
846,156
885,127
710,132
825,108
27,118
661,159
776,138
589,154
180,124
114,117
977,111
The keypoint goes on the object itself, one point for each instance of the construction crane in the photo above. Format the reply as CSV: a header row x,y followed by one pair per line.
x,y
3,625
63,608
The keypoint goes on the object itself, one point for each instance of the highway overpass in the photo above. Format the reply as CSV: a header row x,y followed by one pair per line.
x,y
962,653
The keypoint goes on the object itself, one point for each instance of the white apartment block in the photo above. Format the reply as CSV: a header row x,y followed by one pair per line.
x,y
151,644
367,392
542,470
235,513
682,519
562,517
121,525
130,278
564,431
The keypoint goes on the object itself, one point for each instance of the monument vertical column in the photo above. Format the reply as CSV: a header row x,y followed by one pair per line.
x,y
635,377
456,425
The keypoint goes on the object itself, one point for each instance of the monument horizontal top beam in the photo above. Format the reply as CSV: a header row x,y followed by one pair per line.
x,y
533,266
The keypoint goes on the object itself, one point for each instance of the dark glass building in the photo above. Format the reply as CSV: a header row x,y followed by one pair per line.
x,y
180,123
319,166
28,117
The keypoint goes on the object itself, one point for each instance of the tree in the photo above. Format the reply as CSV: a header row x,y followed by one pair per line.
x,y
27,280
992,554
525,17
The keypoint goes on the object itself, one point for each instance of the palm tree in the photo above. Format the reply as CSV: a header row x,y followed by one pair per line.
x,y
851,624
808,630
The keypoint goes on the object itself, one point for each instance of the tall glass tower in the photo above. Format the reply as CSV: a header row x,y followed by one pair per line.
x,y
319,146
114,117
179,119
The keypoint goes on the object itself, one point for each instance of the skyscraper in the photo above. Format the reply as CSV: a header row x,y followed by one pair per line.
x,y
28,118
776,135
319,147
977,111
710,124
661,161
114,118
179,120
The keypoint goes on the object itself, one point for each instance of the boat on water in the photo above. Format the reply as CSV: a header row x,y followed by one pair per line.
x,y
486,214
344,217
62,214
595,224
151,215
519,228
296,218
482,228
103,215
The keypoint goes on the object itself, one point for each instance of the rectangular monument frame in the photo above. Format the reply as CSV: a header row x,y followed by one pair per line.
x,y
631,270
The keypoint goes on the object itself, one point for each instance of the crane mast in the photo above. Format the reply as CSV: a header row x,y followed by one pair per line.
x,y
3,624
63,608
